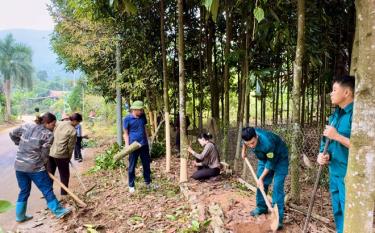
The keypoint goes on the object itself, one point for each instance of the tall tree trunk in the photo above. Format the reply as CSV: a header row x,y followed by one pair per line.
x,y
118,93
303,102
210,70
243,94
264,100
297,78
201,94
194,96
312,103
247,110
228,32
273,88
165,91
181,74
256,111
7,92
239,87
360,179
281,100
277,96
287,91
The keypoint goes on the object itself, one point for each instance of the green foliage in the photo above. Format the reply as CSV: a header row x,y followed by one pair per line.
x,y
197,226
158,150
259,14
75,99
5,206
89,143
105,161
212,6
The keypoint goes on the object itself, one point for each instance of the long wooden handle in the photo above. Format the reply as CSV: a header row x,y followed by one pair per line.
x,y
256,179
79,201
316,184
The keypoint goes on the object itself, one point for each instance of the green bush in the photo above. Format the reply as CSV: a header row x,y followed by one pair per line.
x,y
88,143
105,161
158,150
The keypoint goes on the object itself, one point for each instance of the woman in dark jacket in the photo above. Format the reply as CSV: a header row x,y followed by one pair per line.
x,y
208,162
34,141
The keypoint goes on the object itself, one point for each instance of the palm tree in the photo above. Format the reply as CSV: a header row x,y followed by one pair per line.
x,y
16,66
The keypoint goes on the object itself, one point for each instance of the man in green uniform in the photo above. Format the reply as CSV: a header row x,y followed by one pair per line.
x,y
272,154
338,131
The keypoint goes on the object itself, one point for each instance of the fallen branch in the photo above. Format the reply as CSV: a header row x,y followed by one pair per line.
x,y
127,150
303,211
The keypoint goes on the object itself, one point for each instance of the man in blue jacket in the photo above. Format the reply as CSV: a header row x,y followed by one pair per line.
x,y
338,131
273,162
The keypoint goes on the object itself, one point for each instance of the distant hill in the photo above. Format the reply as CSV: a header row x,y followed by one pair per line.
x,y
43,56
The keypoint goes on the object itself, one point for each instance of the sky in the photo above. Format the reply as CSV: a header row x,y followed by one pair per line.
x,y
25,14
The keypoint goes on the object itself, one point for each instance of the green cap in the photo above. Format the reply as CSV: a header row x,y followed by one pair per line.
x,y
137,105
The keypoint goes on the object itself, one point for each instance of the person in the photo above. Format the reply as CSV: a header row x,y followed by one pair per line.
x,y
177,129
34,142
272,154
64,117
338,131
135,130
78,146
37,113
65,137
208,162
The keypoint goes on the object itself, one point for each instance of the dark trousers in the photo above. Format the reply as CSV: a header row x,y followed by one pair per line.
x,y
77,149
204,173
144,153
63,166
40,179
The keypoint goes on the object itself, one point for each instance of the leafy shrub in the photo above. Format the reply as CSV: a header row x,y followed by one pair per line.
x,y
158,150
105,161
89,143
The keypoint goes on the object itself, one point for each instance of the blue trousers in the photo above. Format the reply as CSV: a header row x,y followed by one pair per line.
x,y
278,176
40,179
337,190
144,153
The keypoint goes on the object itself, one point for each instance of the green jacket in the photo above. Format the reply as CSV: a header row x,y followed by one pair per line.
x,y
65,137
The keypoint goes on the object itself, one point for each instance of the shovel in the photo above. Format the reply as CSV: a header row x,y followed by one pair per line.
x,y
274,210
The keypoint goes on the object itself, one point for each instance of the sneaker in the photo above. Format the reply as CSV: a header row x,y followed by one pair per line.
x,y
280,226
79,160
258,211
131,189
